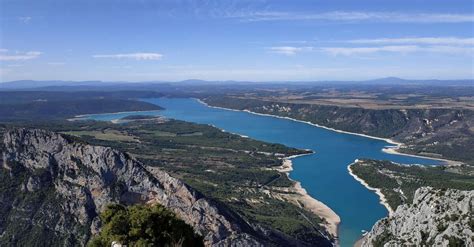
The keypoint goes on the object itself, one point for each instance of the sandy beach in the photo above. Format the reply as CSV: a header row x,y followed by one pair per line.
x,y
359,242
304,200
318,207
383,199
300,195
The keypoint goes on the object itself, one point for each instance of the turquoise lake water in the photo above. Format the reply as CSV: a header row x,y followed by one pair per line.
x,y
323,174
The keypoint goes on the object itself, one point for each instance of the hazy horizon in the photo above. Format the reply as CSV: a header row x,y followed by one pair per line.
x,y
235,40
242,81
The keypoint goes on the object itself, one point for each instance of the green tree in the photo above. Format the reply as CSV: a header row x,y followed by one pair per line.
x,y
141,225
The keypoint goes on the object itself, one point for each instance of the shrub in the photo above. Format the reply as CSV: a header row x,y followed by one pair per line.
x,y
141,225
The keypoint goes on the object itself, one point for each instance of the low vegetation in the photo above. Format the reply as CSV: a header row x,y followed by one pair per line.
x,y
399,182
239,172
142,225
20,210
438,132
55,110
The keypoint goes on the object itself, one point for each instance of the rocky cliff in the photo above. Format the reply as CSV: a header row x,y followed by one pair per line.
x,y
436,218
53,189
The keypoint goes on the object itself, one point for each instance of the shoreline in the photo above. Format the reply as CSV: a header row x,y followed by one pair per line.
x,y
81,117
359,242
78,117
394,150
308,202
382,198
300,195
302,121
388,149
302,198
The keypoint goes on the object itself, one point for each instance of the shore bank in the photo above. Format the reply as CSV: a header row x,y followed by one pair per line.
x,y
389,150
82,116
394,150
359,242
302,121
304,200
383,199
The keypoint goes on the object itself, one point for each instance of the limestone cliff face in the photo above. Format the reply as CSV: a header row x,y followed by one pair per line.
x,y
436,218
57,187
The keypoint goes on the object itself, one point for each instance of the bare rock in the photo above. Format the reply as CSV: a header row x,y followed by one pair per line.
x,y
437,217
83,179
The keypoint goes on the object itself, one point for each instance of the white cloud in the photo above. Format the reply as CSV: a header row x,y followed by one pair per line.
x,y
25,19
419,40
136,56
56,63
348,51
448,45
366,50
355,16
120,67
295,42
449,49
288,50
17,56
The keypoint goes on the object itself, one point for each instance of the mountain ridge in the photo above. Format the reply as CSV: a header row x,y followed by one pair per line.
x,y
80,180
37,84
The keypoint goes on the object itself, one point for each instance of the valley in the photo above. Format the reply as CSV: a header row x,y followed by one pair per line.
x,y
255,179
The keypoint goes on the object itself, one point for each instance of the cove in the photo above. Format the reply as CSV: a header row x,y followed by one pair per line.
x,y
323,174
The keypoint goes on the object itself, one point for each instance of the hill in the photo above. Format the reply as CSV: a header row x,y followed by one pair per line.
x,y
437,217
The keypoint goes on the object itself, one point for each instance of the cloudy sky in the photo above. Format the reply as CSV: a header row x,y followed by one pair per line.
x,y
256,40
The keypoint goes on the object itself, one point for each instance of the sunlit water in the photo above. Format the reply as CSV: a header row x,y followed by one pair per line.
x,y
323,174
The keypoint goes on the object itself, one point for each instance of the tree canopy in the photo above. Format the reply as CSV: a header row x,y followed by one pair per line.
x,y
142,225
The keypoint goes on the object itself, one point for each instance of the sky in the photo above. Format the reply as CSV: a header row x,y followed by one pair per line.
x,y
247,40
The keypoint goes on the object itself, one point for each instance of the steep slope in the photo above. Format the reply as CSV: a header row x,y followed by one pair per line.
x,y
441,133
436,218
53,189
398,183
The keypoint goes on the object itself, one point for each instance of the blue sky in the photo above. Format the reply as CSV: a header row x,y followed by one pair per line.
x,y
255,40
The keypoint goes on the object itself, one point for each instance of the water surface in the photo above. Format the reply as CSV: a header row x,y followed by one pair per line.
x,y
323,174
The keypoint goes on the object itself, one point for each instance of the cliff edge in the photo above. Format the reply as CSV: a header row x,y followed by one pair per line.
x,y
54,188
437,217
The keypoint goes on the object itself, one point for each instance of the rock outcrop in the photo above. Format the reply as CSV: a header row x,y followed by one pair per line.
x,y
55,187
436,218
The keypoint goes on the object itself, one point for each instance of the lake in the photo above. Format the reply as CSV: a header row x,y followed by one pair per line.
x,y
323,174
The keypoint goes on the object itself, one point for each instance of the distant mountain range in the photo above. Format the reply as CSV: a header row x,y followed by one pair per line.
x,y
51,85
